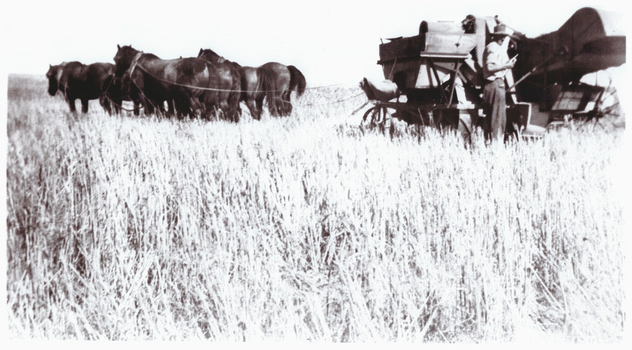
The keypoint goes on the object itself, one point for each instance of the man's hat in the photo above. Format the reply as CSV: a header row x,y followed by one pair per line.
x,y
501,29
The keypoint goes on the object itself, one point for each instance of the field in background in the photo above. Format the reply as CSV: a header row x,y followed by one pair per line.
x,y
306,228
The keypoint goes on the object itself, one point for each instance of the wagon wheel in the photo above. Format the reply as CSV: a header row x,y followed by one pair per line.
x,y
600,111
376,116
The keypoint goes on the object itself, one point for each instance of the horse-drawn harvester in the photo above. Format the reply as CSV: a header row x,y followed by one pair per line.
x,y
435,78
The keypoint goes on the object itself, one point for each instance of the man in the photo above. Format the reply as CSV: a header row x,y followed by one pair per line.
x,y
496,64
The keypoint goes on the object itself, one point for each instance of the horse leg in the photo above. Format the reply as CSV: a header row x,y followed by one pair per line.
x,y
71,104
193,105
259,103
117,103
188,108
210,111
183,109
275,104
171,108
212,104
229,111
204,112
281,105
196,106
272,106
253,109
286,103
238,111
179,108
149,107
84,105
223,107
235,112
206,108
105,103
206,105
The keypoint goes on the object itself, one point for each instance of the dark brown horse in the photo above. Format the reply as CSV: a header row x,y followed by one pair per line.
x,y
188,85
79,81
272,80
145,86
280,87
252,90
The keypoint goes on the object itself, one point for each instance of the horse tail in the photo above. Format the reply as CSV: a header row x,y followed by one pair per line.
x,y
297,80
267,83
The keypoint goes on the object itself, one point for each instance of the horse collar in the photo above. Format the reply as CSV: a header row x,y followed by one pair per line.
x,y
134,63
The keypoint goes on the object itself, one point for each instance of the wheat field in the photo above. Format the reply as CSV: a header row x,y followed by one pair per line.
x,y
306,228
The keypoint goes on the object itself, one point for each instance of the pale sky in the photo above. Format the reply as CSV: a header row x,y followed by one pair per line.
x,y
329,41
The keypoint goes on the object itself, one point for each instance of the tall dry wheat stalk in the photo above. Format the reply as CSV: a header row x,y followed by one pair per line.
x,y
305,228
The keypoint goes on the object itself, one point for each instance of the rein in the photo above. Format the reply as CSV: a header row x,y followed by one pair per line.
x,y
188,86
136,64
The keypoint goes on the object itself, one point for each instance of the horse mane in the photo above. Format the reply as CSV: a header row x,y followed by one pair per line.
x,y
209,55
207,51
213,57
150,56
129,48
71,64
237,65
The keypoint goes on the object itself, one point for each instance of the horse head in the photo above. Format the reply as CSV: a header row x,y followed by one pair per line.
x,y
210,56
123,58
54,76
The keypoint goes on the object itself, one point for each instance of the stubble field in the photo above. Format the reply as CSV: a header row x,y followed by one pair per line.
x,y
306,228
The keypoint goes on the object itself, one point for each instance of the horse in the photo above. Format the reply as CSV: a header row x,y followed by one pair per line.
x,y
187,85
272,80
252,92
79,81
279,81
152,94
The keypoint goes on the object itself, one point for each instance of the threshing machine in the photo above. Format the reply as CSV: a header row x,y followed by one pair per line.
x,y
435,78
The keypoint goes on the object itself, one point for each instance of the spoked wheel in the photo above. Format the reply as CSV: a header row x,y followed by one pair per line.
x,y
602,110
376,116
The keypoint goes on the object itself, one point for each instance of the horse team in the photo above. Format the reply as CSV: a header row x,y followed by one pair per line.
x,y
204,86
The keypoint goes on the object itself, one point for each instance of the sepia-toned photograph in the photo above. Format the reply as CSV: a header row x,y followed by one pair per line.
x,y
403,171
